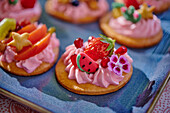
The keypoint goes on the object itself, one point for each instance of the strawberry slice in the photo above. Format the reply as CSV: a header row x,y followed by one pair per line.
x,y
27,29
35,49
98,48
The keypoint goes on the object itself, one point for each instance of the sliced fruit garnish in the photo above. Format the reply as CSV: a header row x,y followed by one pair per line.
x,y
38,34
98,48
27,29
35,49
35,34
86,64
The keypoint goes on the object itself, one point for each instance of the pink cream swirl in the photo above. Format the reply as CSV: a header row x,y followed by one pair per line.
x,y
18,12
30,64
81,11
103,77
142,29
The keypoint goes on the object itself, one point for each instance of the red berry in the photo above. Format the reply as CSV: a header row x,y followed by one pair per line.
x,y
91,38
78,43
132,2
104,62
97,48
28,3
73,60
121,50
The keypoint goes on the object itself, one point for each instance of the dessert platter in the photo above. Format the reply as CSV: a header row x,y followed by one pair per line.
x,y
77,56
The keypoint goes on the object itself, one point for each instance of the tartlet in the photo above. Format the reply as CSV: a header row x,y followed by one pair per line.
x,y
132,28
27,51
20,10
77,11
94,67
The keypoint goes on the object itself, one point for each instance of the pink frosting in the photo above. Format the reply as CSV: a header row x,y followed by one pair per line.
x,y
30,64
103,77
157,3
80,11
141,29
17,11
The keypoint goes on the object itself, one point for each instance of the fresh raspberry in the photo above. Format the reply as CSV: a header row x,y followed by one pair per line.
x,y
121,50
78,43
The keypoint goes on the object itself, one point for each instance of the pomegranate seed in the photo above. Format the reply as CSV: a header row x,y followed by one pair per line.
x,y
78,43
121,50
104,62
73,60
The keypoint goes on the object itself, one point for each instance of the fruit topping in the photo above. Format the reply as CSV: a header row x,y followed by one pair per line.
x,y
131,14
98,48
28,3
86,64
20,41
104,62
34,49
116,11
6,25
75,2
119,65
38,34
121,50
146,11
132,2
40,40
78,43
27,29
73,60
13,2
